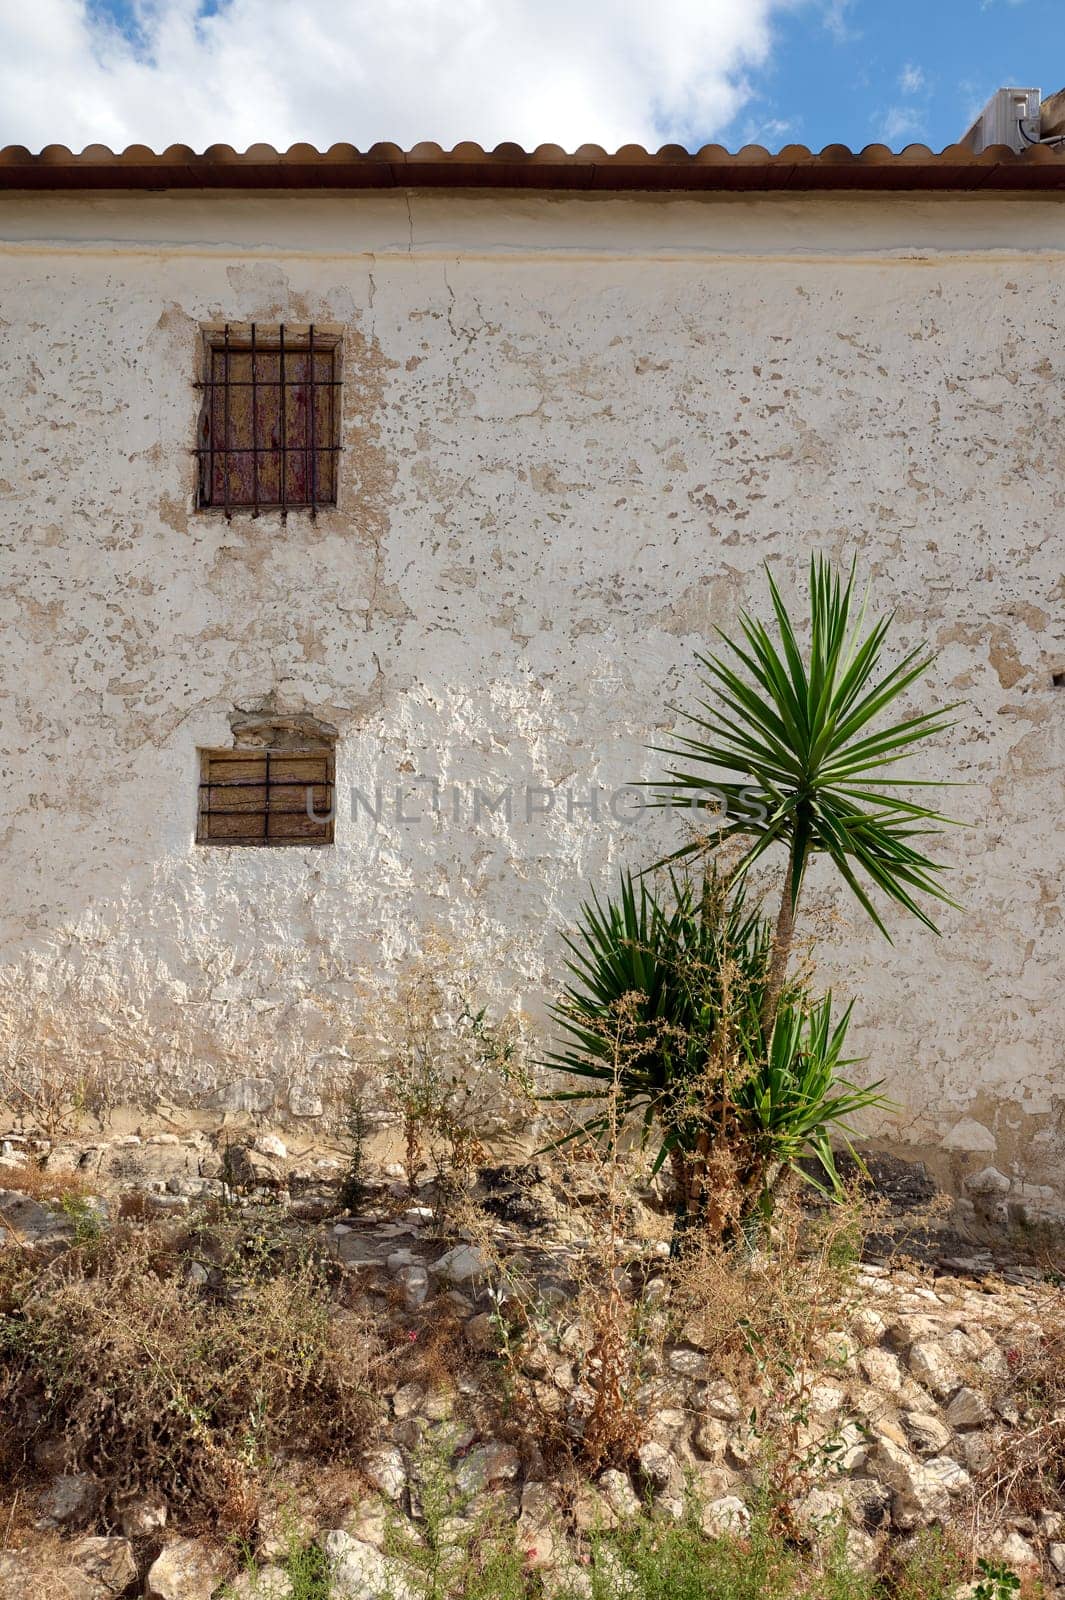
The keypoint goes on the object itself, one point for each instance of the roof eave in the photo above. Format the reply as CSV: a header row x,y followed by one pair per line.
x,y
589,169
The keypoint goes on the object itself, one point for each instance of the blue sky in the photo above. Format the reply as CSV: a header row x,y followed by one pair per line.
x,y
535,71
909,71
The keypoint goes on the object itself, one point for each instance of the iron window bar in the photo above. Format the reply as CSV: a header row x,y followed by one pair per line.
x,y
217,798
284,436
210,452
254,426
225,429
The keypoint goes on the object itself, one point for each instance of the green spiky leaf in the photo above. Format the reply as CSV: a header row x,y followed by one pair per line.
x,y
795,744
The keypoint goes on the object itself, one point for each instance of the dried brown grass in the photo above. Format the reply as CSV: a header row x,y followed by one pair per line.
x,y
771,1321
155,1383
578,1372
35,1563
574,1366
575,1379
429,1350
778,1301
1028,1473
41,1184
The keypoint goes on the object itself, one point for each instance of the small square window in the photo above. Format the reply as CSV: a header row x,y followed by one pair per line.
x,y
269,430
266,797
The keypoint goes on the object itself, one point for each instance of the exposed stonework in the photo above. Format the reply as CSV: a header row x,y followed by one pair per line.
x,y
574,427
900,1410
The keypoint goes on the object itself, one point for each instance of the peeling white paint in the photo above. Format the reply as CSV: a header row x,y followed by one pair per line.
x,y
574,430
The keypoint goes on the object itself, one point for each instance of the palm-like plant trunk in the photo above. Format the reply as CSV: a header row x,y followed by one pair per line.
x,y
778,959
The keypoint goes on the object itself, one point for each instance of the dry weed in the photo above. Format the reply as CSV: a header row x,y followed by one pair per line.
x,y
1028,1473
35,1563
50,1103
770,1319
441,1069
39,1184
431,1353
156,1383
788,1294
575,1368
575,1338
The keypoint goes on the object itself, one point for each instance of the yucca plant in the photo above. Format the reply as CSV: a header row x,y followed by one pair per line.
x,y
654,975
794,1101
787,741
662,1024
679,1012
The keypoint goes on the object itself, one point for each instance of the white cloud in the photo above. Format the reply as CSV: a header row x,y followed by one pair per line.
x,y
906,122
567,72
901,125
835,19
771,132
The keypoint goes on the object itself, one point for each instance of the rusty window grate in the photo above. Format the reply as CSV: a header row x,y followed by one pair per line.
x,y
269,430
266,797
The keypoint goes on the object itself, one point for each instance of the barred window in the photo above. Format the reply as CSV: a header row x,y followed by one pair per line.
x,y
266,797
269,430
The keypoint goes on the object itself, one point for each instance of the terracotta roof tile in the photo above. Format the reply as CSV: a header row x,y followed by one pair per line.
x,y
508,166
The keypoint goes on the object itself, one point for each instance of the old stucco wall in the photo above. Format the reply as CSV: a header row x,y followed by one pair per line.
x,y
574,430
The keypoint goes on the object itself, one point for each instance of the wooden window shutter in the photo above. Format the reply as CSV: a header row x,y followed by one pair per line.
x,y
266,797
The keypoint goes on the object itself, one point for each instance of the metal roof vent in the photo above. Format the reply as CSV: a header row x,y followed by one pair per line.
x,y
1010,117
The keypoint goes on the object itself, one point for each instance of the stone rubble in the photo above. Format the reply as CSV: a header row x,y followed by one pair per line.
x,y
187,1569
70,1501
909,1393
100,1569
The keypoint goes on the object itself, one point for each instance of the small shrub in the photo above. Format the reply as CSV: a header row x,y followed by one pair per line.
x,y
308,1572
86,1222
454,1557
573,1374
352,1189
441,1069
1028,1474
996,1581
304,1565
39,1183
49,1101
157,1385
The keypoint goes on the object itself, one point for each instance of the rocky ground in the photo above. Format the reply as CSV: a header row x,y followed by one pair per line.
x,y
900,1421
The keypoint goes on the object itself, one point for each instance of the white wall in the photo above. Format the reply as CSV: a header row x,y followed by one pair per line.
x,y
574,430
